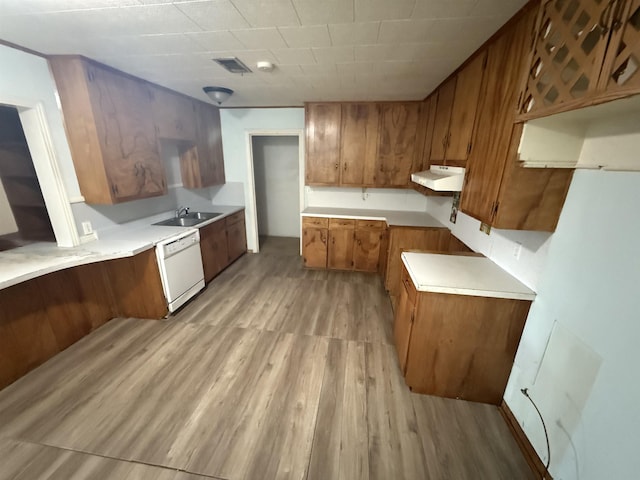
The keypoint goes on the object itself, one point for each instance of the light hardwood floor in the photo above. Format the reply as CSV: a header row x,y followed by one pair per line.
x,y
272,372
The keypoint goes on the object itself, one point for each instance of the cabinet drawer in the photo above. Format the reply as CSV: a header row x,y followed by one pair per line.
x,y
319,222
235,218
342,223
408,284
370,224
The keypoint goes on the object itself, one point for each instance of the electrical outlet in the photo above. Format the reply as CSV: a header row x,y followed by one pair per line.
x,y
87,229
517,250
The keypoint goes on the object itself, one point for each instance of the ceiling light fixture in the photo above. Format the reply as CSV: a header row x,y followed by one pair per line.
x,y
218,94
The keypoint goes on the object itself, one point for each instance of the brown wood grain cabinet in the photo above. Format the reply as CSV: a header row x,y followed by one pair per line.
x,y
585,52
315,235
213,248
410,238
174,114
236,236
340,244
322,128
497,190
428,125
457,346
109,125
358,143
444,106
343,243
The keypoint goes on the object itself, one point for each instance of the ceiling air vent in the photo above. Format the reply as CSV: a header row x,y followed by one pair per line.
x,y
233,64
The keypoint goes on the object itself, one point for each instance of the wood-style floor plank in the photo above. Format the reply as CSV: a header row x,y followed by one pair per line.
x,y
272,372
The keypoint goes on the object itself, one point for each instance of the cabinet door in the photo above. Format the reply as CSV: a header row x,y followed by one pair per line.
x,y
213,247
202,164
463,113
429,113
495,127
403,320
341,239
366,249
444,106
126,133
323,143
396,143
621,71
358,143
174,115
236,239
314,247
568,53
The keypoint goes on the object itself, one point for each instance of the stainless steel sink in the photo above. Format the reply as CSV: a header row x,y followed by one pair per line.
x,y
188,220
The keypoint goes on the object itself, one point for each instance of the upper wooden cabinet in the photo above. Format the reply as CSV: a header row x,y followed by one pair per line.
x,y
455,114
174,114
497,190
397,143
202,163
112,137
362,144
322,126
584,52
428,114
359,143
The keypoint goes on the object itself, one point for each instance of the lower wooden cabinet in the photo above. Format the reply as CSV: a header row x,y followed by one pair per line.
x,y
221,243
457,346
342,243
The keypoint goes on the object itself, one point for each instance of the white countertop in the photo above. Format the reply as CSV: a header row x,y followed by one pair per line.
x,y
392,217
463,275
37,259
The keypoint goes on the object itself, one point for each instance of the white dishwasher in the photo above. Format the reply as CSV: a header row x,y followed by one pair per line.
x,y
180,264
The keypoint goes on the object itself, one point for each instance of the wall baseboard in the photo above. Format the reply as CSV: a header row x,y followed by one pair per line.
x,y
530,454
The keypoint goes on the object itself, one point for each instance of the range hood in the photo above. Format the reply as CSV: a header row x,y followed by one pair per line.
x,y
440,178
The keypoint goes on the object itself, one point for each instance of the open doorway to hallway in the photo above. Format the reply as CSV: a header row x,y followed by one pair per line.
x,y
276,169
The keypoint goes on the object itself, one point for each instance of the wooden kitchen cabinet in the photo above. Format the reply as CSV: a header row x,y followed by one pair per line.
x,y
340,244
368,239
456,113
174,114
585,52
428,126
109,125
410,238
358,143
236,236
397,140
202,164
457,346
322,128
315,233
497,190
214,249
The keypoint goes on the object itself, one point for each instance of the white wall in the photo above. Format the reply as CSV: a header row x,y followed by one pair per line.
x,y
276,170
370,198
235,125
587,276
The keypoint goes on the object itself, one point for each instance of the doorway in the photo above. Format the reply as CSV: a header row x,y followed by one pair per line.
x,y
23,213
275,161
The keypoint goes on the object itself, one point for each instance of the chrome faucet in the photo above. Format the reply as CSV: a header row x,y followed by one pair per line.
x,y
182,211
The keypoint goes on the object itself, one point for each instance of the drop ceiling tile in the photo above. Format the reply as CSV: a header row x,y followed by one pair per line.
x,y
288,69
290,56
476,29
314,12
369,10
267,13
357,68
212,41
333,54
158,44
443,8
19,7
307,36
260,38
320,69
498,8
214,15
397,52
354,33
408,31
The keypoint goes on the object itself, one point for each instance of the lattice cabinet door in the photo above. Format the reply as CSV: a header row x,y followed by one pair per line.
x,y
568,52
621,71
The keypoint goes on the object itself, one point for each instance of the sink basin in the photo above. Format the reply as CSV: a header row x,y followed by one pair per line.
x,y
188,220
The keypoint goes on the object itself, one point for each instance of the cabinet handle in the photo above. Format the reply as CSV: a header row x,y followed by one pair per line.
x,y
345,166
337,165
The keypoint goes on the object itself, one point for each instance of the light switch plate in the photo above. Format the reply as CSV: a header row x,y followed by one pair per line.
x,y
87,229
